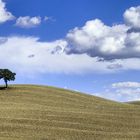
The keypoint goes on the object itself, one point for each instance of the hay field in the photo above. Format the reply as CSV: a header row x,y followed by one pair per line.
x,y
30,112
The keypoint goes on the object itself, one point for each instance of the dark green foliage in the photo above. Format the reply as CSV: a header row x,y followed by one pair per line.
x,y
7,75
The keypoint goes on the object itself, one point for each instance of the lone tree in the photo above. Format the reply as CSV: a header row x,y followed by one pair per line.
x,y
7,75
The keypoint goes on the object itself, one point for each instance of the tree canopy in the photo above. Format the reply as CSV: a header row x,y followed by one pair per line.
x,y
7,75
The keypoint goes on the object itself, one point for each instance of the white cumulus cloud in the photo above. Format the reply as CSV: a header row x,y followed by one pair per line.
x,y
132,17
108,42
96,39
4,14
28,22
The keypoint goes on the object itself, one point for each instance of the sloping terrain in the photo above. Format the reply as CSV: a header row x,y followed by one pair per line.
x,y
135,102
30,112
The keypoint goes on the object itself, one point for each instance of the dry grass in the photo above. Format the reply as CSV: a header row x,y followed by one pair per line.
x,y
44,113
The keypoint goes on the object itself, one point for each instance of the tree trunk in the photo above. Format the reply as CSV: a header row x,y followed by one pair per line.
x,y
6,84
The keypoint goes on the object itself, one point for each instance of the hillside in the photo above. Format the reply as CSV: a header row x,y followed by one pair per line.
x,y
30,112
134,102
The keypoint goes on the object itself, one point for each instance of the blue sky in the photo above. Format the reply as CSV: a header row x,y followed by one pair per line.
x,y
85,45
65,15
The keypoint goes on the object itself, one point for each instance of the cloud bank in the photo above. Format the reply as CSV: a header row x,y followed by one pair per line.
x,y
28,54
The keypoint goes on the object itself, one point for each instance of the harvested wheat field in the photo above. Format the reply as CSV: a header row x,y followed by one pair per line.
x,y
30,112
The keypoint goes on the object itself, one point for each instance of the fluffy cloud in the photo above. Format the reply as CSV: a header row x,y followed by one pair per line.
x,y
4,14
132,17
28,22
96,39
